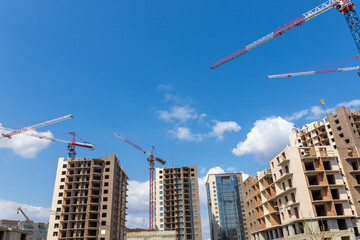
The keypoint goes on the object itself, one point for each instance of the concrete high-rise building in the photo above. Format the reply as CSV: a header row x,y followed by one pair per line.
x,y
225,205
342,131
89,200
177,202
303,189
311,186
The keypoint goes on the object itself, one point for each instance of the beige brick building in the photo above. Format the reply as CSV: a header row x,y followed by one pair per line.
x,y
177,202
89,200
314,182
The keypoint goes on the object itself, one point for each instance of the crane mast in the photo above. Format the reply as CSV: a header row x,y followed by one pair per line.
x,y
150,159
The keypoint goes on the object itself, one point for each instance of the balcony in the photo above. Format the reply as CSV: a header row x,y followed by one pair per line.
x,y
284,177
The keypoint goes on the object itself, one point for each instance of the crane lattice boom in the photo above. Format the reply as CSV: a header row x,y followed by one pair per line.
x,y
344,6
14,132
331,70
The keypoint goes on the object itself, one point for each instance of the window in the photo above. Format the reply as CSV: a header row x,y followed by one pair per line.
x,y
61,186
63,172
64,166
107,169
347,141
106,184
107,162
62,180
106,191
161,209
296,212
341,135
104,207
103,223
106,176
161,225
56,225
161,214
55,234
57,217
59,202
105,199
103,215
161,187
60,194
161,220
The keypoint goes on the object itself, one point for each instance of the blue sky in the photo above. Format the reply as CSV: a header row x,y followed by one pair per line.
x,y
142,69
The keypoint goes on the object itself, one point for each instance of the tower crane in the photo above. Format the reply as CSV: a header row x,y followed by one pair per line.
x,y
151,160
31,222
345,7
26,131
330,70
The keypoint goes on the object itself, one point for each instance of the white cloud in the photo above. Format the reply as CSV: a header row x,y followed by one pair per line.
x,y
266,138
8,210
180,113
137,222
138,199
231,169
218,131
138,205
297,115
352,104
166,87
185,134
25,145
220,128
318,112
245,176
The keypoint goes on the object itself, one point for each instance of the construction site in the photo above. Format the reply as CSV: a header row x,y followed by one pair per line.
x,y
264,180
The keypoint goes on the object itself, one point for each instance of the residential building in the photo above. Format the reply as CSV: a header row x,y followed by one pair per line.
x,y
342,131
7,233
225,206
28,227
312,185
177,202
89,200
303,189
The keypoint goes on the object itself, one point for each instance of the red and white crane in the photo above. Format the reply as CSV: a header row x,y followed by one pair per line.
x,y
27,131
330,70
151,160
345,7
43,124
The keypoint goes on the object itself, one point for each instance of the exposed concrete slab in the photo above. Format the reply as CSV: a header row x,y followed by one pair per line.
x,y
155,235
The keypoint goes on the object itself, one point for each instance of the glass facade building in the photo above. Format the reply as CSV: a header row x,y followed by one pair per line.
x,y
225,206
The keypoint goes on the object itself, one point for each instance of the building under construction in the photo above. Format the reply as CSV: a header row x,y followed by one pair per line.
x,y
177,202
312,187
89,200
